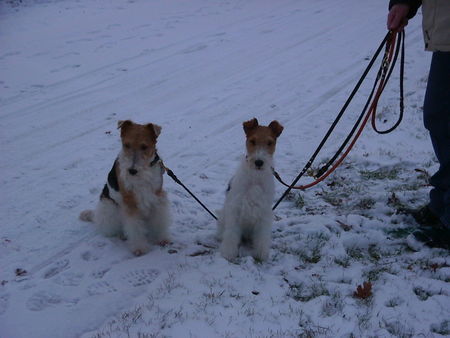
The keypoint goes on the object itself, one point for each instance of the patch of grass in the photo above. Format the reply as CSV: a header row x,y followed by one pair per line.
x,y
399,232
308,328
374,252
342,261
398,329
412,186
213,297
365,203
364,319
373,274
334,304
299,201
334,198
421,293
380,174
303,293
442,328
395,203
393,302
313,248
355,252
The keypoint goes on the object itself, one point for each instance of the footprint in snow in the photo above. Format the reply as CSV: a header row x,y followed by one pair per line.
x,y
100,288
69,279
99,274
4,302
141,277
89,256
57,268
43,299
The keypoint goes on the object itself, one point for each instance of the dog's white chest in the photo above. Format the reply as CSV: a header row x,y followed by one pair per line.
x,y
251,196
147,187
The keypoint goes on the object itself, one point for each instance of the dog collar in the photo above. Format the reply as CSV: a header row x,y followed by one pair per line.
x,y
155,160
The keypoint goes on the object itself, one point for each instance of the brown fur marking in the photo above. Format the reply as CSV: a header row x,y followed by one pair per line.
x,y
129,199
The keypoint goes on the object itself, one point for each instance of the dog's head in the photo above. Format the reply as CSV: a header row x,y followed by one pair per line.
x,y
261,142
138,144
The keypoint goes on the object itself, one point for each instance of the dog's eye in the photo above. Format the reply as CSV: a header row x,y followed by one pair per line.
x,y
269,143
127,145
253,142
144,147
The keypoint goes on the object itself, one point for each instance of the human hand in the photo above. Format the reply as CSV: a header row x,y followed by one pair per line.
x,y
398,17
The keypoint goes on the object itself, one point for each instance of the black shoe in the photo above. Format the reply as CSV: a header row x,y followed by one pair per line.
x,y
425,217
431,237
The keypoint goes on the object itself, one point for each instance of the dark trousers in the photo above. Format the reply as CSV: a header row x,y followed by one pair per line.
x,y
437,120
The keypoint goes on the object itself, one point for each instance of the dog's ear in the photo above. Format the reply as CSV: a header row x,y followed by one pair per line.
x,y
250,125
276,128
154,128
123,124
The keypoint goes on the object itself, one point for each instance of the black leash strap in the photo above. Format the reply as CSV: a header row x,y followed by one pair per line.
x,y
175,178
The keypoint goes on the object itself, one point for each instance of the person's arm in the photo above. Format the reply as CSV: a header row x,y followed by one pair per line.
x,y
400,11
412,4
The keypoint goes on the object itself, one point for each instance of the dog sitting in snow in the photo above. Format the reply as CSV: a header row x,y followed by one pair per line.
x,y
247,213
133,203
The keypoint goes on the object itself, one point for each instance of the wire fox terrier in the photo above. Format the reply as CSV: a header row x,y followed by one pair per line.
x,y
247,213
133,203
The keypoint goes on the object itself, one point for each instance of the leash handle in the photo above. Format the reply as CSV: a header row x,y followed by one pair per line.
x,y
177,180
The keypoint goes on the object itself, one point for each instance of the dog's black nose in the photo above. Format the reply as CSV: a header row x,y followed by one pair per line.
x,y
259,163
132,171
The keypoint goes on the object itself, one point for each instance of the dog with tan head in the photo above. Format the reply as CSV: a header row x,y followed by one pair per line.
x,y
133,203
247,214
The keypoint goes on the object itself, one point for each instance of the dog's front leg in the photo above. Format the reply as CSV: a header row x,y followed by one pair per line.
x,y
135,231
230,242
159,224
261,241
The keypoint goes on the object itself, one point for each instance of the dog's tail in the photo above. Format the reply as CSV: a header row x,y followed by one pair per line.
x,y
87,215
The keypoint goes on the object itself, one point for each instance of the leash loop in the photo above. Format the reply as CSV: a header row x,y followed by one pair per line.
x,y
387,65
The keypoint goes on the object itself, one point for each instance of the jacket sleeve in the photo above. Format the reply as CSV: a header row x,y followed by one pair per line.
x,y
413,5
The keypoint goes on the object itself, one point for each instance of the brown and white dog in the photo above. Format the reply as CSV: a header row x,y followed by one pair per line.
x,y
247,213
133,203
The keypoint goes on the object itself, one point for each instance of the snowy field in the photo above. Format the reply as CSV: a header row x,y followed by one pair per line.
x,y
70,69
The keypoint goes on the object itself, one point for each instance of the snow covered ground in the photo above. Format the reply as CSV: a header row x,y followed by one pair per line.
x,y
70,69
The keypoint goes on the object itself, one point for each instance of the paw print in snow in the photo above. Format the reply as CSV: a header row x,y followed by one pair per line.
x,y
41,300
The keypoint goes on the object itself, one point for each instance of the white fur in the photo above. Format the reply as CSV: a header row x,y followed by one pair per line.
x,y
247,211
150,224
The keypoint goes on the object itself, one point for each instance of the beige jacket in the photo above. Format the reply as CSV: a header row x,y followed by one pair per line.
x,y
436,25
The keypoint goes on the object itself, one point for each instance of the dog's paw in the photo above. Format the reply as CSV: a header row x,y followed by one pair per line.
x,y
139,252
87,216
140,249
163,242
229,254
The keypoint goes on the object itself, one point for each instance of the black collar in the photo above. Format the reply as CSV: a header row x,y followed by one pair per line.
x,y
155,160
